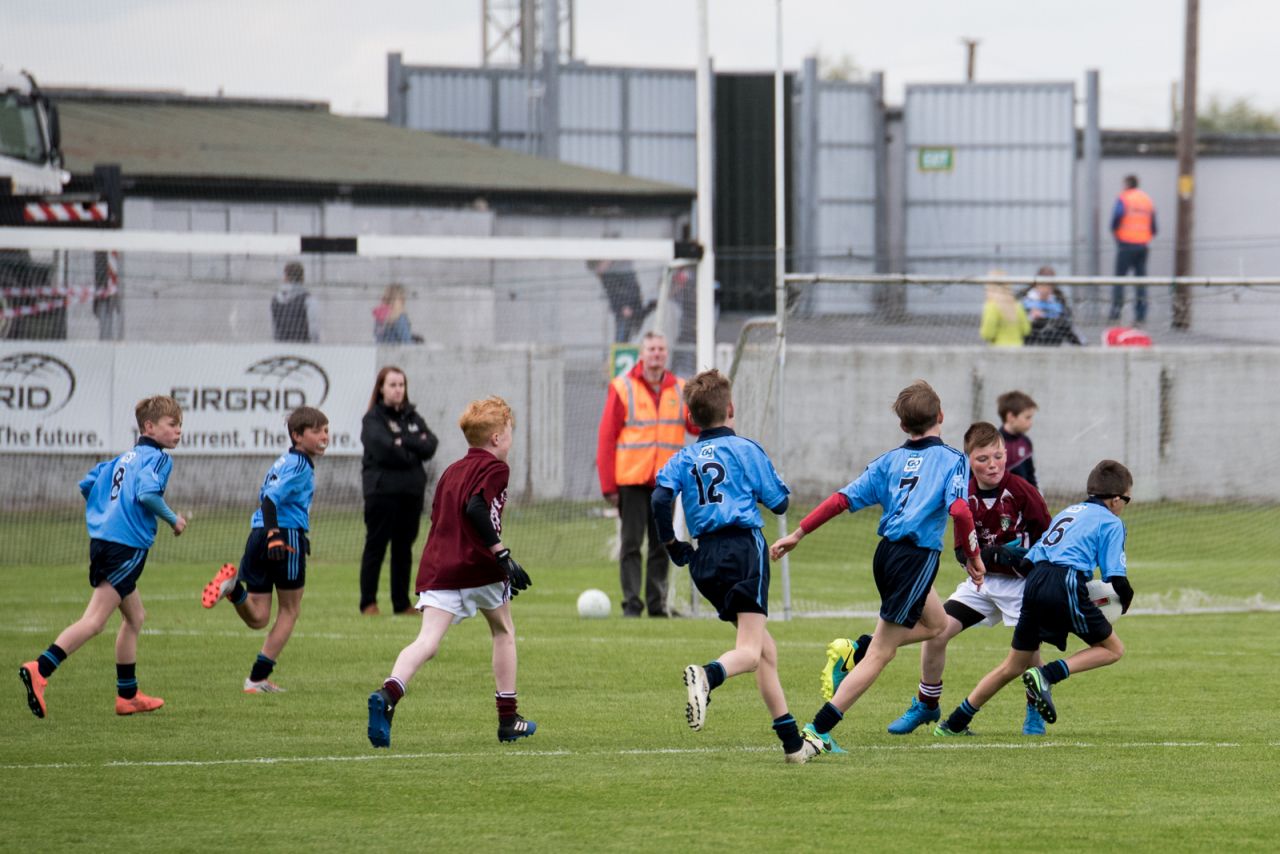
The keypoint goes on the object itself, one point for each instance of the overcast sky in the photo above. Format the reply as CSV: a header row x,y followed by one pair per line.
x,y
336,51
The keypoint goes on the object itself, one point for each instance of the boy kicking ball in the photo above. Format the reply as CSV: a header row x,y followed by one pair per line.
x,y
466,568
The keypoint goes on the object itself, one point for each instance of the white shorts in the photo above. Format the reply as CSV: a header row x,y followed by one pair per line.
x,y
463,603
999,596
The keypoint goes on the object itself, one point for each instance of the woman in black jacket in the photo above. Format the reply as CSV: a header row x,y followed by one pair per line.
x,y
396,444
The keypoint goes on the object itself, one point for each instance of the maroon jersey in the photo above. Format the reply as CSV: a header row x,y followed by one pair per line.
x,y
1014,513
455,556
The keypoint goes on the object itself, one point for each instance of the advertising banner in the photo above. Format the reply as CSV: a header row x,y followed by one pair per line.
x,y
79,398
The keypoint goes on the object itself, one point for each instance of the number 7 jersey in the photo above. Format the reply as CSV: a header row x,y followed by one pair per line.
x,y
721,479
915,485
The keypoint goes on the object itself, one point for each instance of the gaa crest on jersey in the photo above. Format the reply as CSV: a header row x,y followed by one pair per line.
x,y
1005,523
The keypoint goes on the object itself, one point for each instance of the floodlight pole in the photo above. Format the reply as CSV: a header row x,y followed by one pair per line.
x,y
780,269
705,340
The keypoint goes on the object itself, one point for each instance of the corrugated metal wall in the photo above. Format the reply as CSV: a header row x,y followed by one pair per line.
x,y
996,189
835,136
635,121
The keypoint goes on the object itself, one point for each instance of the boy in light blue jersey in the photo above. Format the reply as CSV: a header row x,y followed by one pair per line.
x,y
122,497
721,479
1055,601
275,554
917,486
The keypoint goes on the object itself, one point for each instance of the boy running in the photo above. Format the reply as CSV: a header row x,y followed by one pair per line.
x,y
275,554
122,497
720,479
465,568
917,485
1055,601
1009,515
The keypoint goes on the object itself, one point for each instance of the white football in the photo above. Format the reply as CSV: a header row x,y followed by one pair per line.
x,y
594,604
1104,596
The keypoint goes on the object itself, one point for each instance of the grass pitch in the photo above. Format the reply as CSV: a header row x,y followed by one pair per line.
x,y
1172,749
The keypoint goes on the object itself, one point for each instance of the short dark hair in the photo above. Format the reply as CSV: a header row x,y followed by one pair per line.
x,y
1131,181
918,408
305,417
708,396
1014,403
1109,478
981,434
293,273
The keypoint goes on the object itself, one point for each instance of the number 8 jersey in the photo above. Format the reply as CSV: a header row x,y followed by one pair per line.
x,y
113,493
721,479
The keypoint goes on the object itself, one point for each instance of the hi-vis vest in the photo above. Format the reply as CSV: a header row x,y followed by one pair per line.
x,y
1135,225
650,436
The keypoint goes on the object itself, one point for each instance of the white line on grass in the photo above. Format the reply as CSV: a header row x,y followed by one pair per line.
x,y
659,751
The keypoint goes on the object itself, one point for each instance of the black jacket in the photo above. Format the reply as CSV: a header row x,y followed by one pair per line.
x,y
395,469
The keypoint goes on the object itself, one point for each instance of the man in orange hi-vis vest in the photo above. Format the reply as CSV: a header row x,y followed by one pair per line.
x,y
644,424
1133,222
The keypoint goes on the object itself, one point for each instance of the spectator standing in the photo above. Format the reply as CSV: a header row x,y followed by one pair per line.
x,y
643,425
1133,222
293,311
1050,316
622,290
396,444
390,323
1004,320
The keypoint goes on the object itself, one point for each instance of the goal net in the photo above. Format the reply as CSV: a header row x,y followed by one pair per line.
x,y
1178,406
218,323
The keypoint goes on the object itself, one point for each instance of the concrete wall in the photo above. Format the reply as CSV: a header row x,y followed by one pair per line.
x,y
1172,415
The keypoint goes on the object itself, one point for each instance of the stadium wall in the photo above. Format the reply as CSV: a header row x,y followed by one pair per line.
x,y
1162,412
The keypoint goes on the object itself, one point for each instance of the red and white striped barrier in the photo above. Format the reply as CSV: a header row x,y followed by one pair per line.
x,y
63,296
64,212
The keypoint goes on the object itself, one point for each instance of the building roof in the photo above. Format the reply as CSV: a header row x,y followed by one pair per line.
x,y
166,141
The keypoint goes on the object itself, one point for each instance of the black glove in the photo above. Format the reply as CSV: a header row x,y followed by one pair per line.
x,y
1123,590
680,552
515,572
1007,557
277,548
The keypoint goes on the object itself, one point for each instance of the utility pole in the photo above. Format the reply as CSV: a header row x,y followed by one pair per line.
x,y
1186,169
971,49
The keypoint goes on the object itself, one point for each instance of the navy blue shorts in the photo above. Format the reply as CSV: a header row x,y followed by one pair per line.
x,y
731,569
1056,603
904,574
259,573
116,564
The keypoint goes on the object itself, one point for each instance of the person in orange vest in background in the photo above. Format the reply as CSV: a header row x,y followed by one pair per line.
x,y
644,424
1133,222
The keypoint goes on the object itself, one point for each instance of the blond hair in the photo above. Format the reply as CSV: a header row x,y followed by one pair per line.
x,y
483,418
154,408
1004,300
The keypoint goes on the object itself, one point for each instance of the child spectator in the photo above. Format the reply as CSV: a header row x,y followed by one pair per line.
x,y
390,323
1055,600
1017,410
1004,320
466,567
122,497
917,486
1009,516
275,554
720,479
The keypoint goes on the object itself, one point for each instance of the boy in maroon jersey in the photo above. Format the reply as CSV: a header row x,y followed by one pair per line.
x,y
465,567
1009,515
1017,410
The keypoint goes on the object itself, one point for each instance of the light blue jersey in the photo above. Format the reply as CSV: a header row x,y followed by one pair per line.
x,y
114,492
916,485
721,479
1082,537
289,484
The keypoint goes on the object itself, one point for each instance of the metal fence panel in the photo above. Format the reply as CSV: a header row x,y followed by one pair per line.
x,y
990,182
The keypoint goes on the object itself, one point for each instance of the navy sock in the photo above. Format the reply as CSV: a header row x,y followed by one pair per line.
x,y
787,731
826,719
237,594
962,716
715,675
1056,671
50,659
863,644
127,680
261,668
